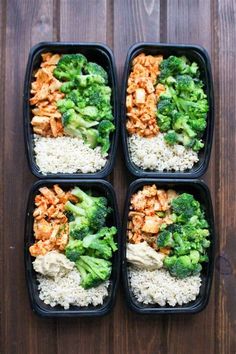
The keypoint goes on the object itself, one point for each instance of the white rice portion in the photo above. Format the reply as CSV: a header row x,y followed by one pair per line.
x,y
155,154
66,291
159,287
67,155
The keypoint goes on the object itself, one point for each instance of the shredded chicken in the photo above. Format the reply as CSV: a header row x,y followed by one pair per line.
x,y
51,228
149,209
45,92
142,95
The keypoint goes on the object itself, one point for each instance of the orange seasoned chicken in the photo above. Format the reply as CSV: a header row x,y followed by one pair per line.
x,y
143,95
51,228
149,209
46,92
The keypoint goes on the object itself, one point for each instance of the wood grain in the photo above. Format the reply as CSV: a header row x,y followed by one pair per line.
x,y
118,23
192,30
27,22
226,169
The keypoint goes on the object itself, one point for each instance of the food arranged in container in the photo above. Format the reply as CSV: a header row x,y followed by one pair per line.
x,y
72,248
70,102
168,227
167,110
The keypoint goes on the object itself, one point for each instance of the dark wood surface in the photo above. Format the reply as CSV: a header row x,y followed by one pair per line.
x,y
118,23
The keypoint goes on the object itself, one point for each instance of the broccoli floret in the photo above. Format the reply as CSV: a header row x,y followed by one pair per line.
x,y
198,145
194,256
181,125
185,206
94,208
93,270
79,228
89,111
198,124
90,136
68,86
73,122
177,65
74,249
165,239
165,107
88,80
102,242
69,66
185,83
171,137
181,267
164,122
104,129
64,105
95,69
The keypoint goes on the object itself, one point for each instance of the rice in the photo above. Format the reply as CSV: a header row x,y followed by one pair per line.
x,y
155,154
67,155
159,287
66,291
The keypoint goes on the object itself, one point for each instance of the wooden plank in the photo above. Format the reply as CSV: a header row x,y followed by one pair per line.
x,y
190,22
2,68
226,169
27,22
82,21
134,21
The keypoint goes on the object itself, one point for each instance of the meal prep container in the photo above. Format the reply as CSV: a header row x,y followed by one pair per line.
x,y
98,187
95,52
202,194
194,53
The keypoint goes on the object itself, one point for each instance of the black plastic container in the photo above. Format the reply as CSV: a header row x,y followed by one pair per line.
x,y
193,53
202,194
95,52
98,187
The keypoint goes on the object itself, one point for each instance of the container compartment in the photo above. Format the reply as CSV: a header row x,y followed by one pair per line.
x,y
98,187
193,53
98,53
201,192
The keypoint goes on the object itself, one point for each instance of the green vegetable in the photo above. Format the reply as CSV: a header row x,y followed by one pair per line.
x,y
181,267
93,270
182,108
95,69
100,244
94,209
187,237
69,66
87,100
104,129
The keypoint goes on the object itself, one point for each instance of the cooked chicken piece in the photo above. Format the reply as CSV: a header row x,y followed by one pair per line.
x,y
62,241
42,229
50,59
162,197
138,201
40,123
152,224
140,96
49,195
137,221
149,86
129,102
150,191
40,212
41,248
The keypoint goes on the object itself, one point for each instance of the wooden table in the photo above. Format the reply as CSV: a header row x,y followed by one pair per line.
x,y
118,23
